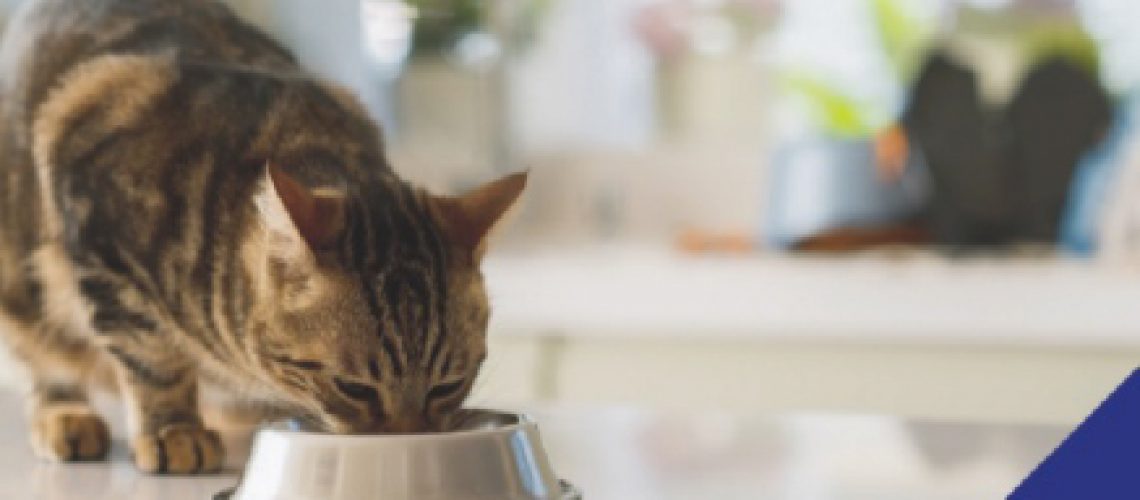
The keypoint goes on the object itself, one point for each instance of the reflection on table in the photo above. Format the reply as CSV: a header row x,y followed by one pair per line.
x,y
634,454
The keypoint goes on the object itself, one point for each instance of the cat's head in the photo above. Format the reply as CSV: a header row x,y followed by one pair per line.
x,y
369,307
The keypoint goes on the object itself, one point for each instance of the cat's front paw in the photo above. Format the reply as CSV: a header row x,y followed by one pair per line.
x,y
179,449
70,433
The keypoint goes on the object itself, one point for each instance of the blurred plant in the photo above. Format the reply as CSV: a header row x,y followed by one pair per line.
x,y
526,25
1066,40
906,37
440,23
840,64
836,112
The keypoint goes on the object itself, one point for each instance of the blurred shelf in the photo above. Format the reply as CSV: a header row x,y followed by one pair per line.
x,y
639,292
919,336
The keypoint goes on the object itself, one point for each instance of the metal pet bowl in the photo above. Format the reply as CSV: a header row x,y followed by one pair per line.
x,y
489,456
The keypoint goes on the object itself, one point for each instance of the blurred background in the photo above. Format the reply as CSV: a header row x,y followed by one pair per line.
x,y
928,209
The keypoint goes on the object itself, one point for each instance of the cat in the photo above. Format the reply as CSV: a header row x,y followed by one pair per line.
x,y
184,208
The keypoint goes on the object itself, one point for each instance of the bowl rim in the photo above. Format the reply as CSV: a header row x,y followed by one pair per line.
x,y
568,490
524,421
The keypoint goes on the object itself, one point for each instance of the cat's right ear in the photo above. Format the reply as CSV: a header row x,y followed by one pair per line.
x,y
298,216
467,220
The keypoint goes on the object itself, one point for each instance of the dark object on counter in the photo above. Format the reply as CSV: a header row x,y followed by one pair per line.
x,y
1001,178
962,147
1059,114
851,239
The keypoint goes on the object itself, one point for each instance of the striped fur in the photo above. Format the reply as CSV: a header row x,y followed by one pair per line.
x,y
182,206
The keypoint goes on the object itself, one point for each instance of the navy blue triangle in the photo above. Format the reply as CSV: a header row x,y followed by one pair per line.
x,y
1100,460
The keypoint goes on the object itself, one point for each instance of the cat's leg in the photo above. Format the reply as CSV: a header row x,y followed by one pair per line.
x,y
160,389
63,425
65,428
157,381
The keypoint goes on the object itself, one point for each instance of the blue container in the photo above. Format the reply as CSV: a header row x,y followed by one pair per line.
x,y
1093,182
819,184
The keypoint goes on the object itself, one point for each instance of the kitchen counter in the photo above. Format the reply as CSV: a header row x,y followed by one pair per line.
x,y
1012,339
619,453
914,297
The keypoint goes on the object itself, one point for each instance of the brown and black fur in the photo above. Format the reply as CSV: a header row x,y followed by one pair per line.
x,y
182,206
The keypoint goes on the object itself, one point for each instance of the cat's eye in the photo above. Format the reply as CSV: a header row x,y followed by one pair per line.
x,y
302,364
353,390
446,390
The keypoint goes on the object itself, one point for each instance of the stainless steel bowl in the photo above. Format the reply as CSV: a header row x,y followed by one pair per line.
x,y
489,456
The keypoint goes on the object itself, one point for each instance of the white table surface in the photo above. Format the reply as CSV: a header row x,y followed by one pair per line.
x,y
911,298
631,454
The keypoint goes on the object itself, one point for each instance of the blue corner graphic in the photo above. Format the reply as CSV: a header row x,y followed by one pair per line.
x,y
1100,460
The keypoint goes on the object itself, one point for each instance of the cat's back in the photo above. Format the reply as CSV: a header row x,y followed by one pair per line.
x,y
46,38
196,29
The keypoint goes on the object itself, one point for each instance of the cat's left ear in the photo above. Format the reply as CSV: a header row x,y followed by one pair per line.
x,y
468,220
298,214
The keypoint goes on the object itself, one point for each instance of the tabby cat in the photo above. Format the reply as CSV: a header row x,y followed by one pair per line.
x,y
182,208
